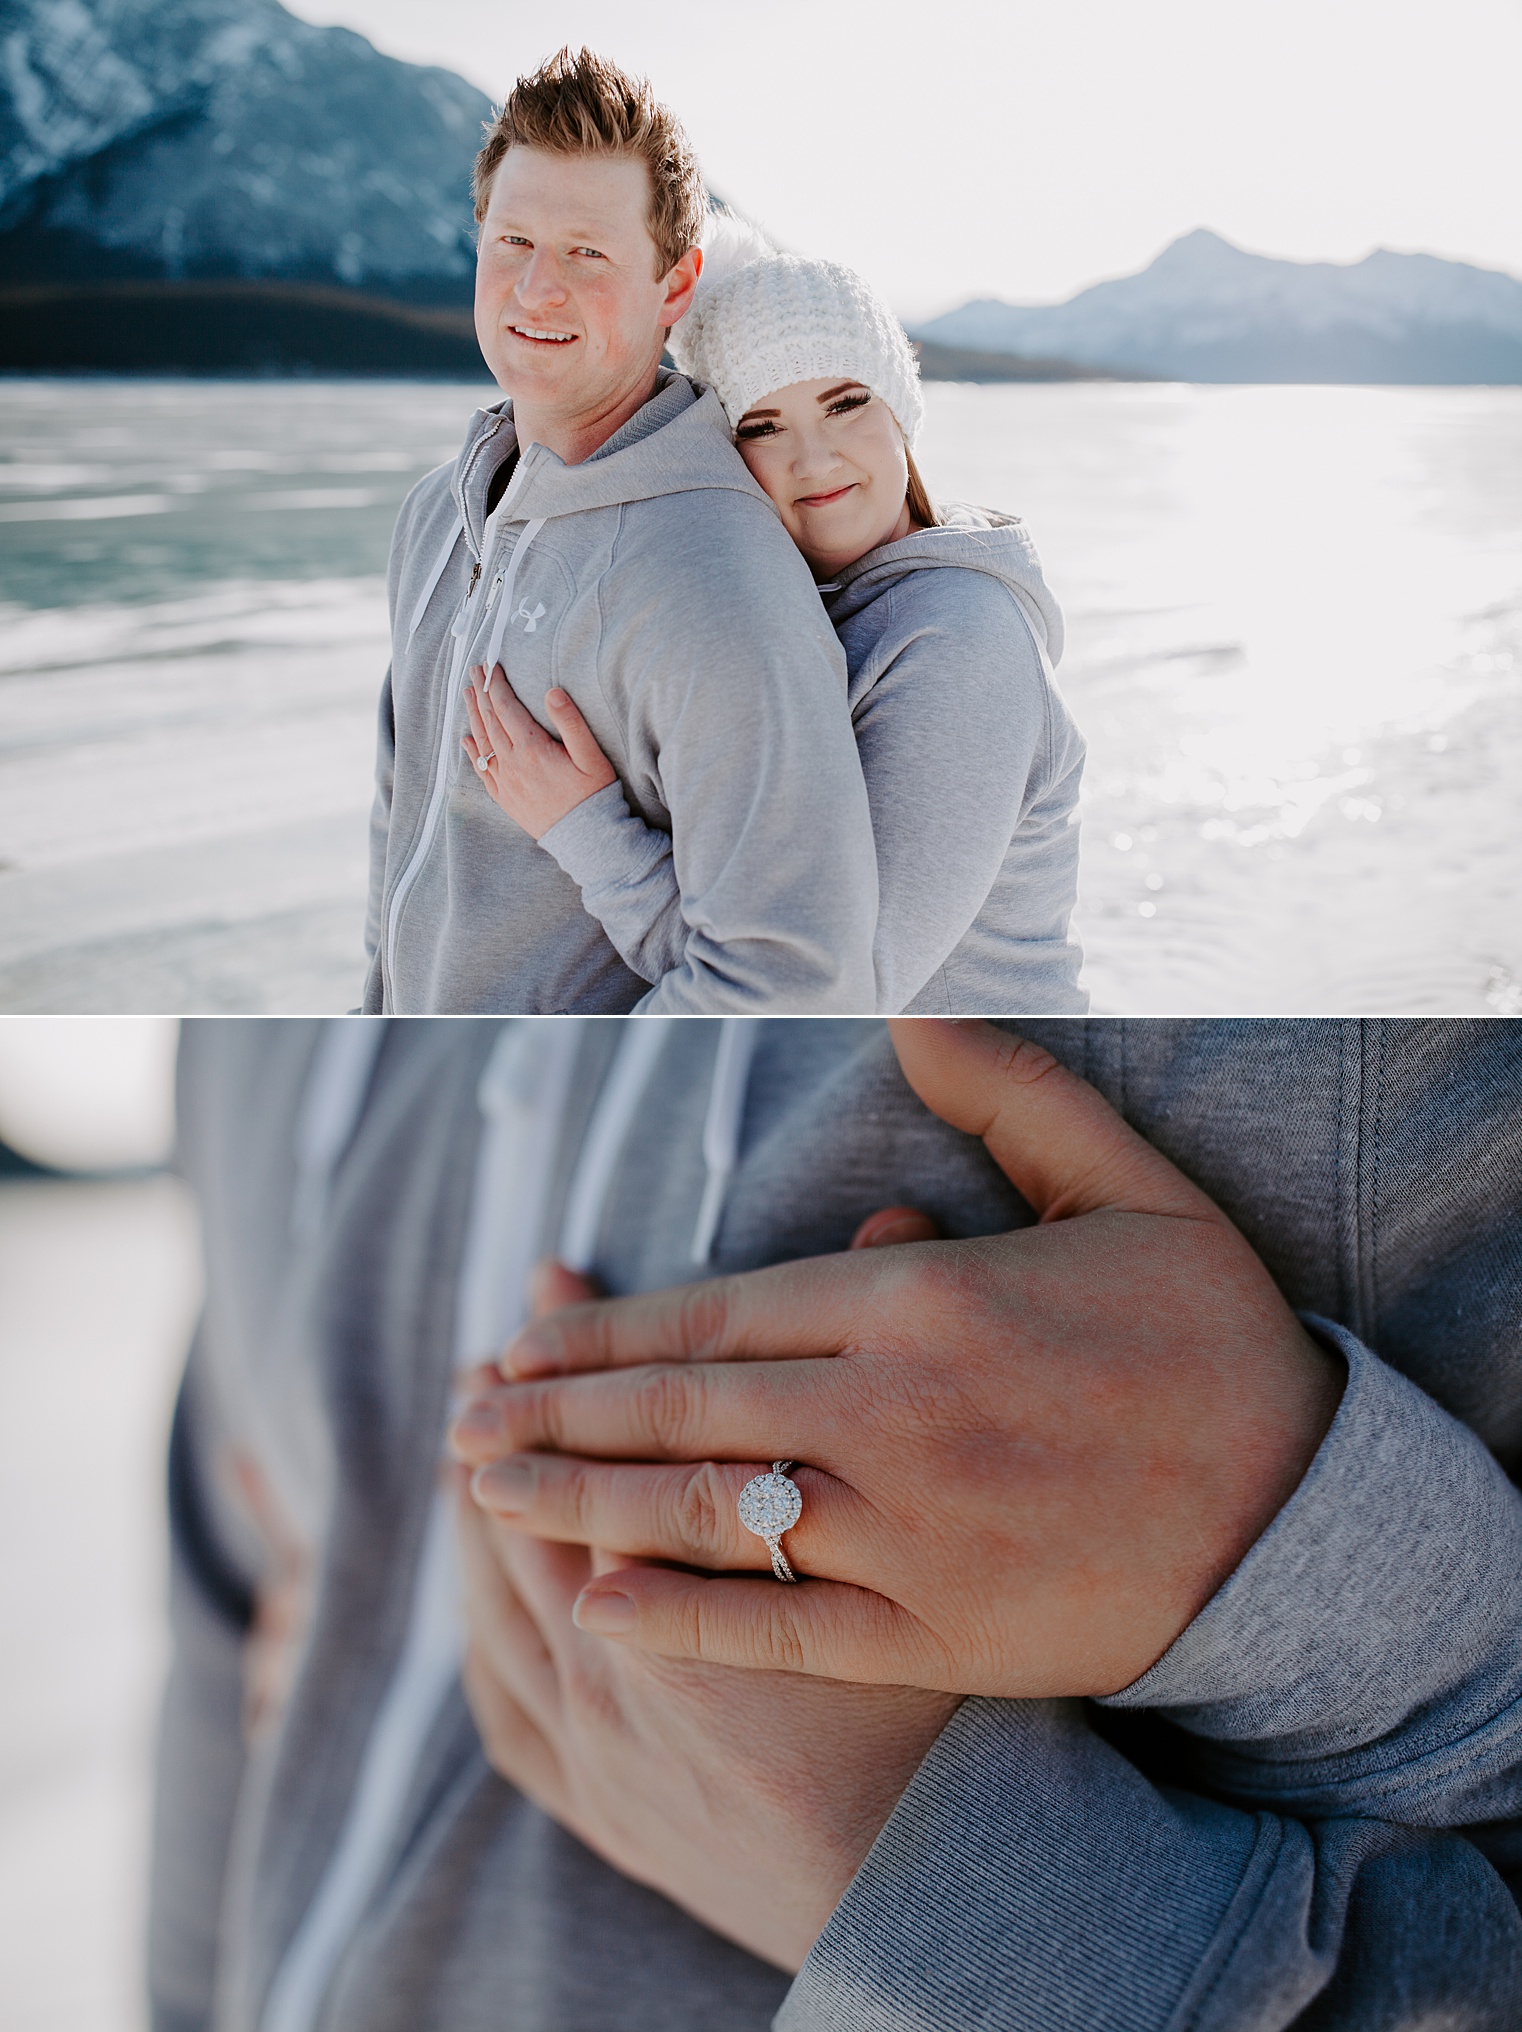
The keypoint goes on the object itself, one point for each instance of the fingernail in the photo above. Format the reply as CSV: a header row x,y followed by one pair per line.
x,y
605,1615
478,1419
528,1355
557,697
506,1485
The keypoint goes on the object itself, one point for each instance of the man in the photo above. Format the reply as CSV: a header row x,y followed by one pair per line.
x,y
1261,1834
600,533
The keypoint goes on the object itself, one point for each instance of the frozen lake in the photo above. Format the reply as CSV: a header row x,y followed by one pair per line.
x,y
1295,645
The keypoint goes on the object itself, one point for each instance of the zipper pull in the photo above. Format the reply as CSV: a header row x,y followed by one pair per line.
x,y
462,620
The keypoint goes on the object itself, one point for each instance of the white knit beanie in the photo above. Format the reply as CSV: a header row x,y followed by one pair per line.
x,y
762,320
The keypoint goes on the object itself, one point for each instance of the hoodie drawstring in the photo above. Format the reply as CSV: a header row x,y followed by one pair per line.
x,y
721,1129
623,1089
337,1081
529,1067
457,530
523,1093
441,771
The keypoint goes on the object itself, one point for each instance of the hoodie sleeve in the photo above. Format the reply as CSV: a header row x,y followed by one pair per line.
x,y
958,738
1316,1821
1033,1878
740,722
1366,1655
627,878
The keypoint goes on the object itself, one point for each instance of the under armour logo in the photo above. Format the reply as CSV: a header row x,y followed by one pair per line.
x,y
531,621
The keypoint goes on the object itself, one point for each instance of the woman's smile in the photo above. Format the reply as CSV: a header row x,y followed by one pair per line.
x,y
829,426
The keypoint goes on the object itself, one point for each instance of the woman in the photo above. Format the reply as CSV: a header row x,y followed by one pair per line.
x,y
971,762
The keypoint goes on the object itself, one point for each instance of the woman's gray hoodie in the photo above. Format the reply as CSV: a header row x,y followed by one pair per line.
x,y
972,766
655,583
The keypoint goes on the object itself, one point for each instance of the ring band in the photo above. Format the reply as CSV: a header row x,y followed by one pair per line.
x,y
769,1506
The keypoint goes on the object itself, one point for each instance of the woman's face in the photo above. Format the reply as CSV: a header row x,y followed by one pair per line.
x,y
831,456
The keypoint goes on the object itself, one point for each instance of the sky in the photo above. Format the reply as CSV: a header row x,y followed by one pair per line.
x,y
1025,148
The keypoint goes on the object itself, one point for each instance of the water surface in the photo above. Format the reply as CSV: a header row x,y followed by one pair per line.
x,y
1294,644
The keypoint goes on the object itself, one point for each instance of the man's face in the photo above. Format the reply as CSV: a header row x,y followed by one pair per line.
x,y
570,311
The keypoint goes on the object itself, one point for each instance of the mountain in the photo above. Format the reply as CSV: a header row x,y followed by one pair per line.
x,y
225,137
199,182
1208,311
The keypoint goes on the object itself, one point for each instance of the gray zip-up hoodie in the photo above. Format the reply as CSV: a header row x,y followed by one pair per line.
x,y
655,583
1307,1814
972,766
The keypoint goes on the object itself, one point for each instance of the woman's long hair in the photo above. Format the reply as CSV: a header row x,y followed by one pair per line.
x,y
921,507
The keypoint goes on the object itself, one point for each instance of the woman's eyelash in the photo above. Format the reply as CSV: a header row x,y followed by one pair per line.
x,y
748,432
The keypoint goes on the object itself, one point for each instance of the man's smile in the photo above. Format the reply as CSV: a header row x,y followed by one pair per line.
x,y
542,334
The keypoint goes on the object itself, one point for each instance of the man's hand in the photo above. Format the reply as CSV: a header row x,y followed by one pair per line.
x,y
1029,1460
535,778
750,1801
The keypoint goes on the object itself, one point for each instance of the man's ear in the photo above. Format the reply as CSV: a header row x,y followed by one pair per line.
x,y
681,285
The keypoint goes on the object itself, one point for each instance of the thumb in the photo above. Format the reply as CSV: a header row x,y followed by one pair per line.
x,y
1057,1140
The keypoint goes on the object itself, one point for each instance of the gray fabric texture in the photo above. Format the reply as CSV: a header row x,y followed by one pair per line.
x,y
1314,1821
972,765
663,594
1318,1710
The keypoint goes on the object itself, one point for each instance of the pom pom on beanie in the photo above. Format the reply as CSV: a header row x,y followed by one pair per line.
x,y
762,320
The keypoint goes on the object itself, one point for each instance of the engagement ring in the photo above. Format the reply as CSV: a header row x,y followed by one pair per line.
x,y
770,1505
484,762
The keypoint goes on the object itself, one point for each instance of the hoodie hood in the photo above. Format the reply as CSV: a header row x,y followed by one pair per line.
x,y
679,442
974,539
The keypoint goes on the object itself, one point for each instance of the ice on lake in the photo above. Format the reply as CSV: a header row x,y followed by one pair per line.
x,y
1294,644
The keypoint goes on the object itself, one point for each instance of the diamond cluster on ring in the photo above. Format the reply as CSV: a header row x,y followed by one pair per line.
x,y
770,1505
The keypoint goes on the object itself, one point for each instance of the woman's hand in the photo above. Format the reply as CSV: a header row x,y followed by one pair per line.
x,y
535,778
750,1801
1028,1460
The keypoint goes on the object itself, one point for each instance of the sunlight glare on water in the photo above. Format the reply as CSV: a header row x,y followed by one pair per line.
x,y
1295,644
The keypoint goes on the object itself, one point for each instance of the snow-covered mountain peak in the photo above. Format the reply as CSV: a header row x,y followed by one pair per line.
x,y
200,137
